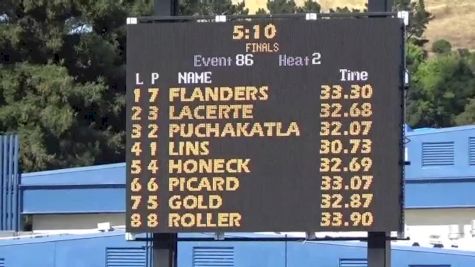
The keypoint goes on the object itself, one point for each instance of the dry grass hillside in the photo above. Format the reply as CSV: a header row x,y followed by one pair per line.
x,y
454,20
327,4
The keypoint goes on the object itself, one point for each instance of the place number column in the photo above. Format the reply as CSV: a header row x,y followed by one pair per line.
x,y
144,199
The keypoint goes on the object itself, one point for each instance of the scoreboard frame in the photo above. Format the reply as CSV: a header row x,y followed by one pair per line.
x,y
152,183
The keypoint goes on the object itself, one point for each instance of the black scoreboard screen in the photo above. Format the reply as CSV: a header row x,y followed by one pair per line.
x,y
265,125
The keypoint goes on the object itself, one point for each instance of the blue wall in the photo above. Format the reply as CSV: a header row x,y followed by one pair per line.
x,y
90,251
459,147
97,189
441,173
84,251
9,181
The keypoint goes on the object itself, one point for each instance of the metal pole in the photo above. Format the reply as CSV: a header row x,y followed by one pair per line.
x,y
379,243
164,246
380,5
379,249
164,250
166,7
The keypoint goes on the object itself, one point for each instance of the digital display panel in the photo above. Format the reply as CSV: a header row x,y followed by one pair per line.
x,y
265,125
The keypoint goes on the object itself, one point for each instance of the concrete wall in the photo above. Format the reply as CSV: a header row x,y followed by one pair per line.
x,y
449,227
47,223
440,216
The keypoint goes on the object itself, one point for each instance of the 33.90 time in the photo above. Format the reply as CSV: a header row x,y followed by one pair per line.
x,y
356,219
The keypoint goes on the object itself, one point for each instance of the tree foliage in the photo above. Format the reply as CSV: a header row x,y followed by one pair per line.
x,y
62,79
281,6
309,6
441,46
415,55
441,91
289,7
344,10
419,17
211,7
468,115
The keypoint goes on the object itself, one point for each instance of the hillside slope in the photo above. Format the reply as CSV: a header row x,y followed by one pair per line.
x,y
454,20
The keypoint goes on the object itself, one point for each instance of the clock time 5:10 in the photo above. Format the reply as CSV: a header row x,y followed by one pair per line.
x,y
255,32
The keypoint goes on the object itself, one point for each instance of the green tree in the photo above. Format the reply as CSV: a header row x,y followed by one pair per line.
x,y
63,79
471,61
212,7
419,17
441,46
415,55
281,6
289,6
442,87
261,11
344,10
309,6
468,115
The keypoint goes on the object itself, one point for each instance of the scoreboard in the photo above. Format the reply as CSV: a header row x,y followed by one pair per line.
x,y
265,125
